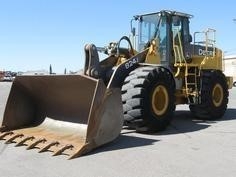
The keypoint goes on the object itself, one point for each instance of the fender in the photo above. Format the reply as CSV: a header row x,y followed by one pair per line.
x,y
123,70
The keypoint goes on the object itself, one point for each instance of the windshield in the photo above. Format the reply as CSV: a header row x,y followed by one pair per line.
x,y
148,29
153,26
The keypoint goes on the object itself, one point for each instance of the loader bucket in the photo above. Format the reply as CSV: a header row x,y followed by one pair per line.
x,y
67,114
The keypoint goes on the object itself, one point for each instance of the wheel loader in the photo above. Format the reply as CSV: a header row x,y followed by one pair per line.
x,y
138,85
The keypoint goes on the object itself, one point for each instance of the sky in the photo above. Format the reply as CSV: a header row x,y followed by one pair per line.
x,y
37,33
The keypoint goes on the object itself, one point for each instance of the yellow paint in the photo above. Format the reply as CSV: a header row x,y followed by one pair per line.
x,y
153,56
160,100
209,62
217,95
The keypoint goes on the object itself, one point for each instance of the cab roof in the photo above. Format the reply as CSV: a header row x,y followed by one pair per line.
x,y
171,12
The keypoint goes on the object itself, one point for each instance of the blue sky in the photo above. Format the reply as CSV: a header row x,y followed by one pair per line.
x,y
37,33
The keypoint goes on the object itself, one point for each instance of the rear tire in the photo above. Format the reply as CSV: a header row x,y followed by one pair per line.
x,y
148,99
214,96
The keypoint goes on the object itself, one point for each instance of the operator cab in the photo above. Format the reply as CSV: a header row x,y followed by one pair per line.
x,y
166,28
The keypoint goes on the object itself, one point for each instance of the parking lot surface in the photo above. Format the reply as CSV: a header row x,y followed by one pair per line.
x,y
187,148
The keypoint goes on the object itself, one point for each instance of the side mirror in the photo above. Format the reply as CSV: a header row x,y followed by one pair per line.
x,y
133,31
190,38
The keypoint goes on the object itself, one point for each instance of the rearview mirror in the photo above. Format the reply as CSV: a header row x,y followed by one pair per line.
x,y
176,20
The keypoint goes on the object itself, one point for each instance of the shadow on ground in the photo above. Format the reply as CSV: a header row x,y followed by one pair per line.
x,y
124,141
184,122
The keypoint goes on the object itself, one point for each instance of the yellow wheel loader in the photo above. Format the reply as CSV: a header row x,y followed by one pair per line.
x,y
137,86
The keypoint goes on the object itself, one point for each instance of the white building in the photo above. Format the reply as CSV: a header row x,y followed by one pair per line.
x,y
230,66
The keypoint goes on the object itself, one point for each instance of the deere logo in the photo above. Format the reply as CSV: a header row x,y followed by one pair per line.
x,y
205,52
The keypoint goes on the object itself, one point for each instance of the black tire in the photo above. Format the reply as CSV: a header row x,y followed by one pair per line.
x,y
234,84
214,96
140,104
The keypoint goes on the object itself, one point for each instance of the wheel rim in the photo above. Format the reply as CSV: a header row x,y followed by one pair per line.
x,y
217,95
160,100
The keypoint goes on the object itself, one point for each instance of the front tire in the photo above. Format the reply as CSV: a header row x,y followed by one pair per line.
x,y
214,96
148,99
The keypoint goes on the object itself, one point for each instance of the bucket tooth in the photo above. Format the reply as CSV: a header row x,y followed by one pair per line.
x,y
10,140
43,140
60,151
24,140
55,143
2,128
3,135
84,149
